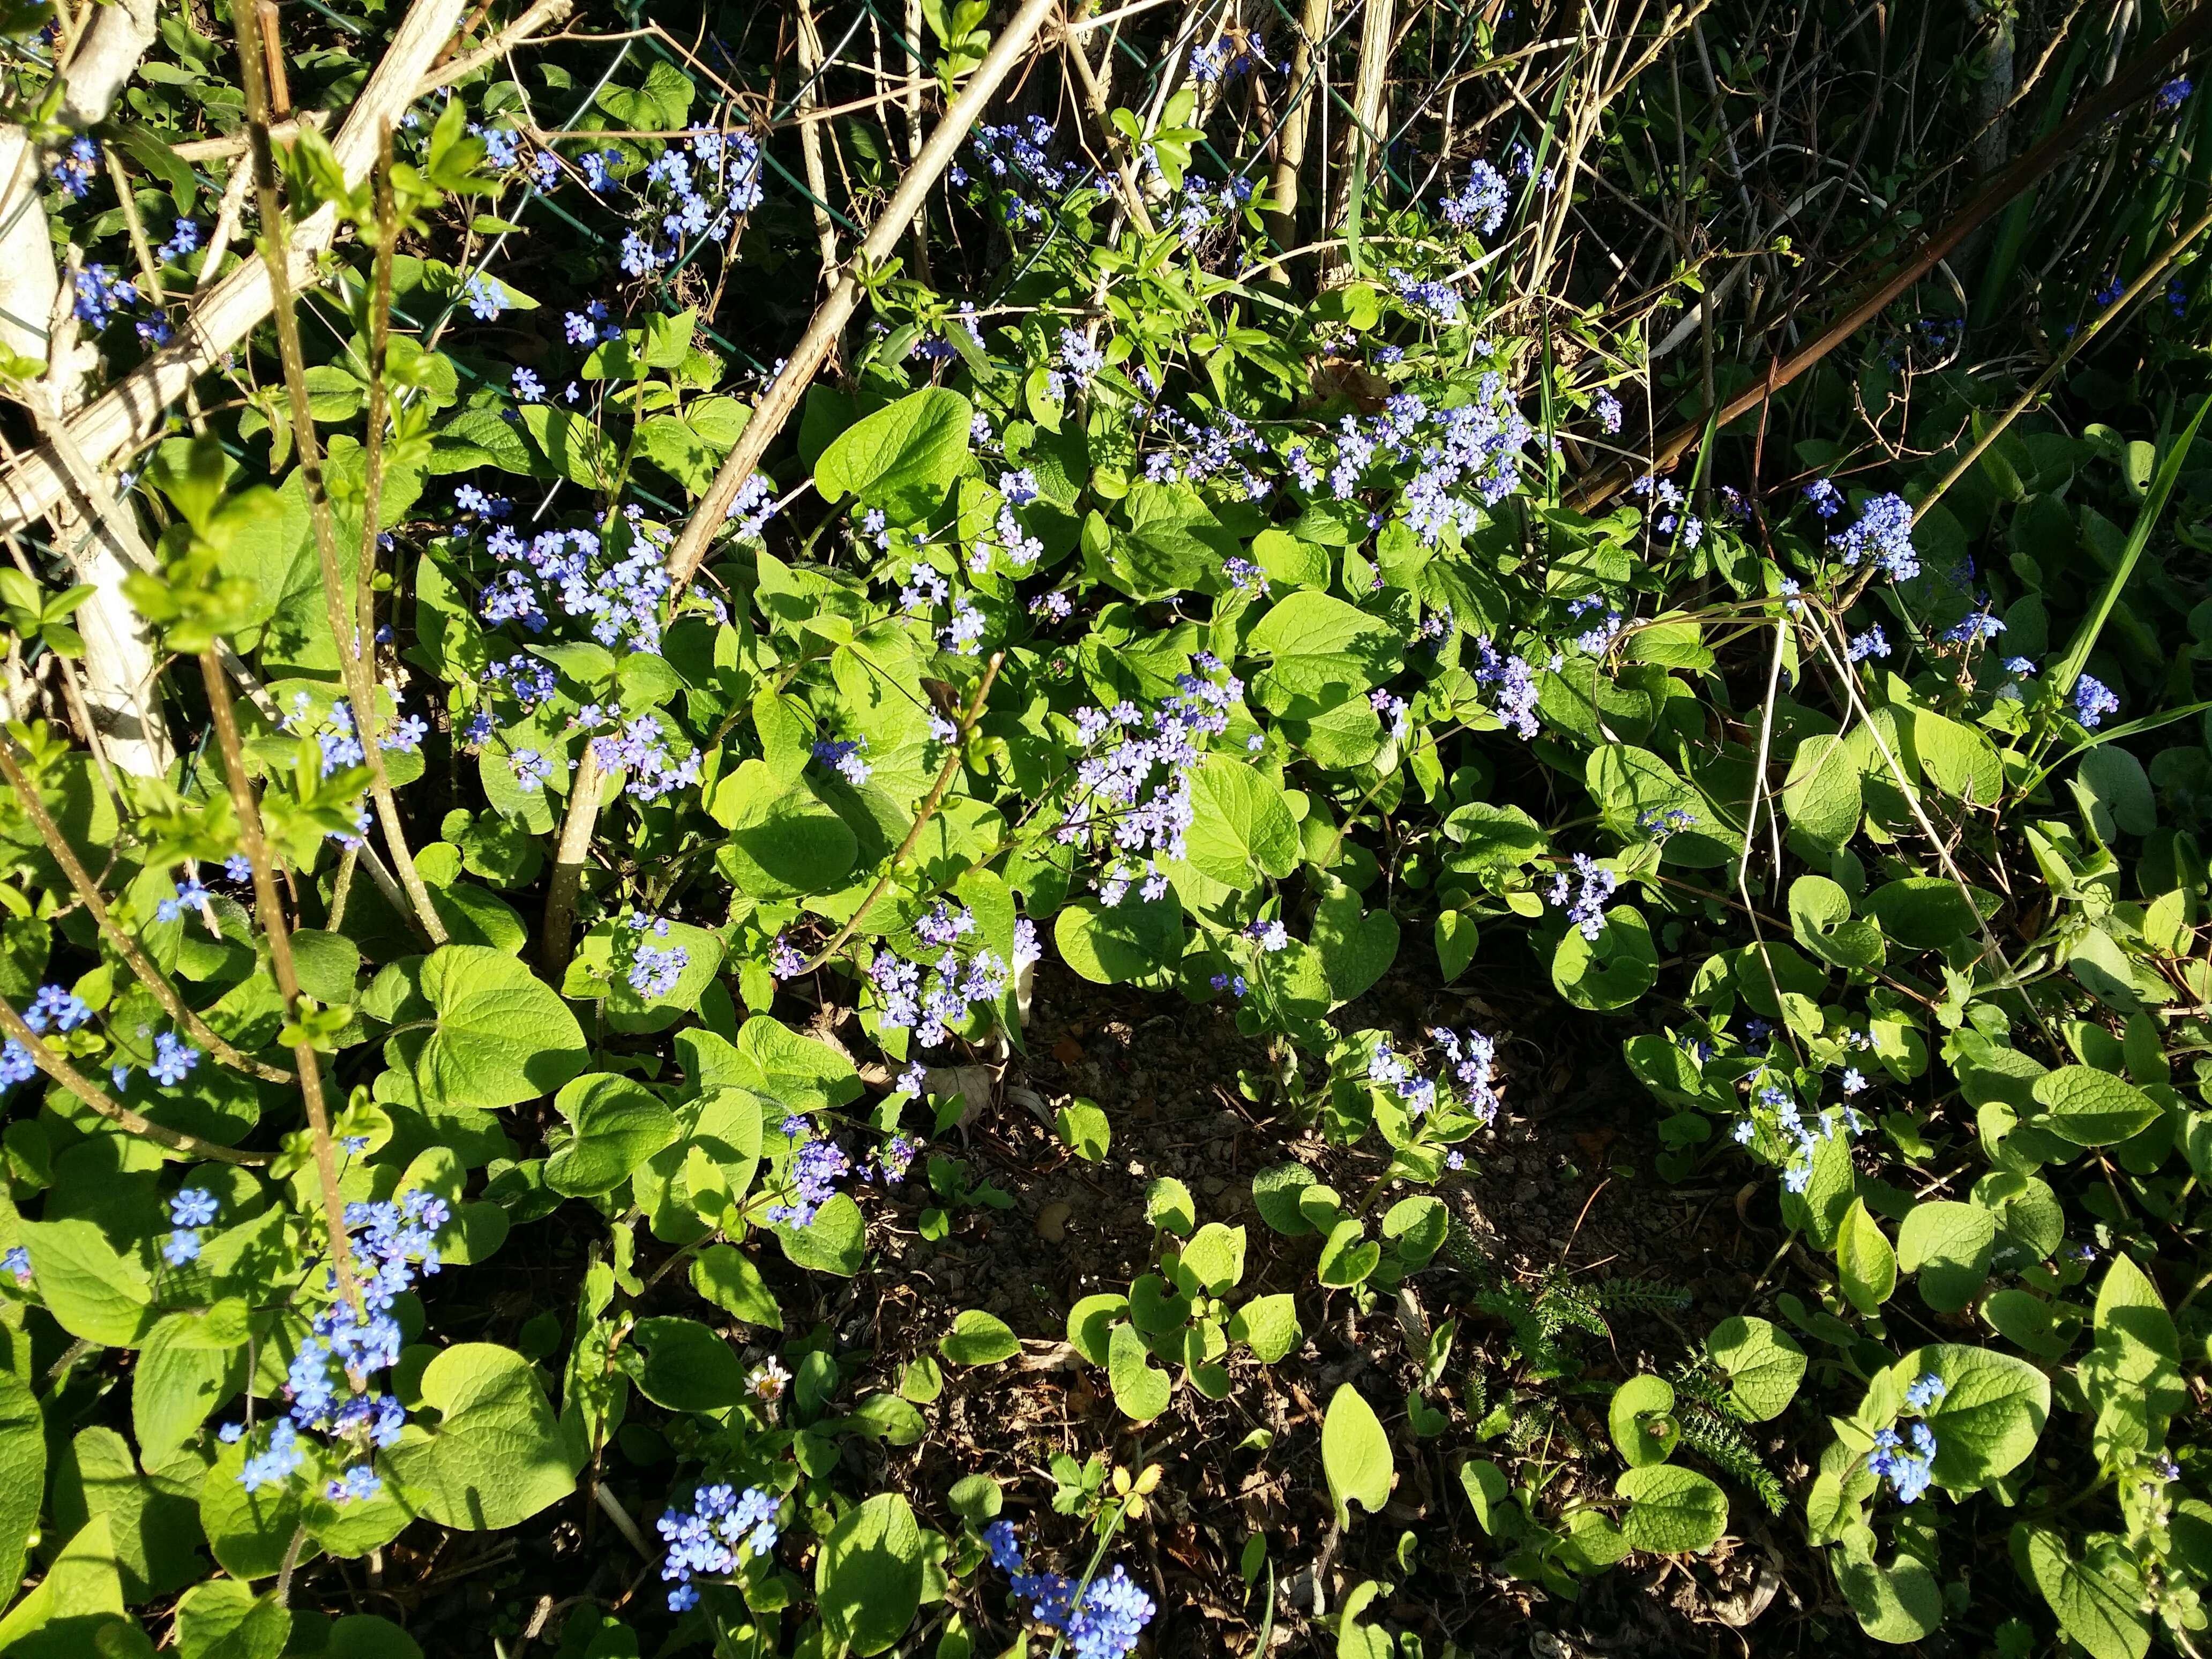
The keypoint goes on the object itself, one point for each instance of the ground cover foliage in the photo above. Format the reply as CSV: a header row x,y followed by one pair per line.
x,y
974,830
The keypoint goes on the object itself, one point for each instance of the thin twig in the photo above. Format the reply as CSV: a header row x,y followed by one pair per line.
x,y
92,1094
95,905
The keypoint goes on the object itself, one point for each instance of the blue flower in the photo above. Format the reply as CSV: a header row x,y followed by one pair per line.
x,y
1928,1389
528,386
173,1058
1883,533
1908,1473
180,1247
1871,643
55,1006
485,301
2092,700
1480,203
193,1206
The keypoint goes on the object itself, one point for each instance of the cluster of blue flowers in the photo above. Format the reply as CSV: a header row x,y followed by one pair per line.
x,y
930,1007
528,681
191,1210
1669,520
655,968
682,197
2092,700
2174,93
1884,533
329,1381
1011,167
184,240
1976,625
55,1009
1910,1472
100,293
1596,640
1480,204
708,1539
1470,1060
1775,1104
815,1172
75,170
1224,60
1516,683
844,756
1871,643
1141,820
1426,293
643,748
339,742
1201,207
616,590
1103,1623
1584,904
1207,451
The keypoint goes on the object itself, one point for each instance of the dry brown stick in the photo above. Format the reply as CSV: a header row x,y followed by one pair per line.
x,y
135,405
569,856
810,140
1291,151
280,965
522,28
379,352
89,895
1094,99
921,818
781,399
2131,85
114,1111
345,634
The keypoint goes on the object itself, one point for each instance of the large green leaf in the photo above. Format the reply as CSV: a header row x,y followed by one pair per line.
x,y
495,1455
1896,1604
979,1338
784,843
2133,1375
1949,1245
1820,798
1762,1362
1611,971
1866,1263
1240,826
502,1036
687,1367
1111,944
868,1578
1671,1509
1355,1454
2093,1108
902,458
92,1290
1140,1388
2102,1613
155,1531
22,1473
1323,653
225,1619
619,1124
1992,1414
